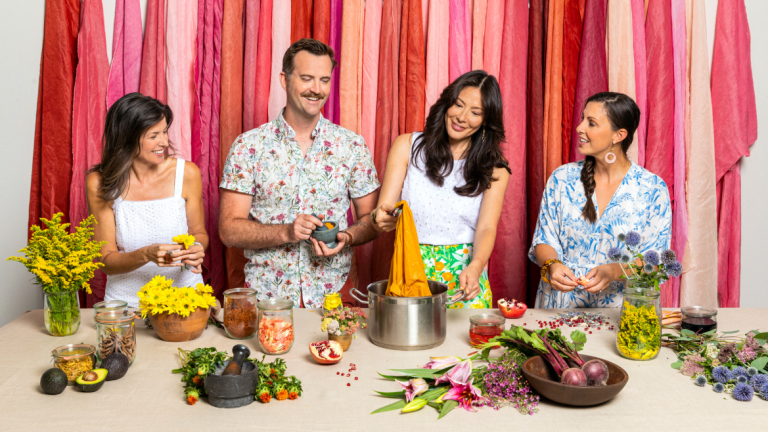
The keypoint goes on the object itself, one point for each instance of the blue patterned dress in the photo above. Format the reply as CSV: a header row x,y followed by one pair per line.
x,y
641,203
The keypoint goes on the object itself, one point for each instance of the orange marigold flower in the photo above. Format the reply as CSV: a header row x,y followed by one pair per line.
x,y
282,395
293,395
196,380
265,397
191,399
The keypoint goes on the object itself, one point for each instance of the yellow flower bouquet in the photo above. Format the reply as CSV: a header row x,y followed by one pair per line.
x,y
177,314
62,263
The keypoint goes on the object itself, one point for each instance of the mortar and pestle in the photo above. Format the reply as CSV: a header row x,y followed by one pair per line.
x,y
326,235
234,383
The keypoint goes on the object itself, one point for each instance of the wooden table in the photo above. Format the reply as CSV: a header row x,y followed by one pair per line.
x,y
149,397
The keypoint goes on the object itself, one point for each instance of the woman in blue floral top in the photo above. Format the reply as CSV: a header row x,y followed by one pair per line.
x,y
587,204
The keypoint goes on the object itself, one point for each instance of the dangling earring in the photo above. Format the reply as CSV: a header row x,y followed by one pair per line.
x,y
482,138
610,157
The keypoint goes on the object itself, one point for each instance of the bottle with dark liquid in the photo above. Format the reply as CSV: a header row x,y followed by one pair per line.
x,y
699,319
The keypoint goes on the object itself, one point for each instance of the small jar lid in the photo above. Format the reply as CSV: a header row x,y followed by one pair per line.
x,y
699,312
73,351
114,317
111,304
487,320
240,291
276,304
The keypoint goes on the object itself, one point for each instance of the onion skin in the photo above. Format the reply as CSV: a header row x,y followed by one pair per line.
x,y
574,377
596,372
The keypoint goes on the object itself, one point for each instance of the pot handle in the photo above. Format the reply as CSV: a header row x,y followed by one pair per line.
x,y
361,300
450,302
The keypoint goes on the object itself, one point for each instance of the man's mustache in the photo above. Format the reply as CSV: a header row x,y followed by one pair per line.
x,y
313,95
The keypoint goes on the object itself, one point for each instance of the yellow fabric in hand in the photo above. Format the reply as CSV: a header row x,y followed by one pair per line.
x,y
406,275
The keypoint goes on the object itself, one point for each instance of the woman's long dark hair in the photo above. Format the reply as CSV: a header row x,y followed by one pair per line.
x,y
623,113
484,152
127,121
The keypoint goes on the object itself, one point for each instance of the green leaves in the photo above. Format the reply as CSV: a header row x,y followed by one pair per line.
x,y
759,363
400,394
448,406
579,339
391,407
677,365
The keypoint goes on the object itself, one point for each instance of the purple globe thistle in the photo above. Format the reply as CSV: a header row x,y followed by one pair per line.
x,y
737,371
741,379
648,268
621,237
633,239
674,269
652,257
721,374
758,381
764,391
625,258
700,380
719,388
743,392
668,256
614,254
751,371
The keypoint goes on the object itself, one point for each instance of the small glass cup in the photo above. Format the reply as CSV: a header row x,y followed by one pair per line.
x,y
74,359
240,313
275,326
484,327
699,319
331,301
108,306
116,332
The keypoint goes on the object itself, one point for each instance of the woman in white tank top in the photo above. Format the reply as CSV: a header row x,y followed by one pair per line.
x,y
453,176
142,198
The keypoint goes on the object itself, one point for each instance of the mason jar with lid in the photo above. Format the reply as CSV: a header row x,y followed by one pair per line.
x,y
74,359
275,326
116,332
109,306
240,313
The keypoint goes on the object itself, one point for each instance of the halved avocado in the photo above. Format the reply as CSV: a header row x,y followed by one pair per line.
x,y
91,381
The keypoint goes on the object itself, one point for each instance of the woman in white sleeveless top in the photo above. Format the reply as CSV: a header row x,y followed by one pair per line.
x,y
453,176
142,198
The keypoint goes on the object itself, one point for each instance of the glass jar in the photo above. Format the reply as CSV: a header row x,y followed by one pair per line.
x,y
484,327
699,319
639,336
61,312
240,313
275,326
109,306
116,332
331,301
74,359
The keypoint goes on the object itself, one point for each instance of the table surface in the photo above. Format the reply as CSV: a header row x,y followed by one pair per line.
x,y
151,397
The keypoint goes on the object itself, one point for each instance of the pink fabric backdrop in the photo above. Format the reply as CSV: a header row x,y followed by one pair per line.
x,y
125,73
180,51
494,26
437,52
250,63
641,76
621,58
152,82
460,39
281,40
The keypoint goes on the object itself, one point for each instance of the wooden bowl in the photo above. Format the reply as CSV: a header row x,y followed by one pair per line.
x,y
544,380
175,328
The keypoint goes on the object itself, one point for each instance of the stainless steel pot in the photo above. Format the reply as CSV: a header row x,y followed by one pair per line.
x,y
406,323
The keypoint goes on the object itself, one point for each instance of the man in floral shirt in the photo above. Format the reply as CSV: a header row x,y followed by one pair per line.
x,y
280,174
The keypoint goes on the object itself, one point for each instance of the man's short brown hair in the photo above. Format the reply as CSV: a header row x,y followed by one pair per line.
x,y
312,46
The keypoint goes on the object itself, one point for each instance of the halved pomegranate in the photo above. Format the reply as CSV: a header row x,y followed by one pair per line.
x,y
583,281
326,352
512,309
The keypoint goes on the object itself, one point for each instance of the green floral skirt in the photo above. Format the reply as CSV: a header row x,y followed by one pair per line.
x,y
445,264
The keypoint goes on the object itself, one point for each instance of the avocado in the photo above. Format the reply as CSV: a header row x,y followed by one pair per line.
x,y
116,364
54,381
91,381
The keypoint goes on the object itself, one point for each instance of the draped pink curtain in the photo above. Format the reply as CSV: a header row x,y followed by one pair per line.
x,y
437,52
125,72
593,65
371,33
460,39
698,286
411,69
152,81
351,72
89,105
621,60
332,105
180,51
509,260
281,40
250,62
641,76
553,88
479,11
263,66
206,129
494,24
735,128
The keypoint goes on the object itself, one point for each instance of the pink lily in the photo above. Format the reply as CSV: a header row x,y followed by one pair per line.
x,y
459,373
413,388
467,395
441,362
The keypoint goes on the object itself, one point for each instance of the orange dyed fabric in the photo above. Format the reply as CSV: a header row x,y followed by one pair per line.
x,y
406,275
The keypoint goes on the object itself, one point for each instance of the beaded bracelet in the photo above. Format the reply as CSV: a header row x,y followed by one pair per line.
x,y
545,269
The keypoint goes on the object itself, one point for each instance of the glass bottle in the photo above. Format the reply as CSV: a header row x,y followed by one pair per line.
x,y
275,326
108,306
116,332
639,336
240,313
484,327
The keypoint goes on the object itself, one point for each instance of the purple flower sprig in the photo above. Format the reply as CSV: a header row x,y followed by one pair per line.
x,y
504,384
645,270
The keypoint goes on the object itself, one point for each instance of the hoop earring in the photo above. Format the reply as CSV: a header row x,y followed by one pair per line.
x,y
482,138
610,157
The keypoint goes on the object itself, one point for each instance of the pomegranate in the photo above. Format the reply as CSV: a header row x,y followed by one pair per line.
x,y
582,281
512,309
326,352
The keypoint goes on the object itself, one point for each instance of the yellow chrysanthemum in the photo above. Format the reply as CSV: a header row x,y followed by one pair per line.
x,y
184,239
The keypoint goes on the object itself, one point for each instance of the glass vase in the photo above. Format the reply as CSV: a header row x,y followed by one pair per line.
x,y
61,312
639,336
